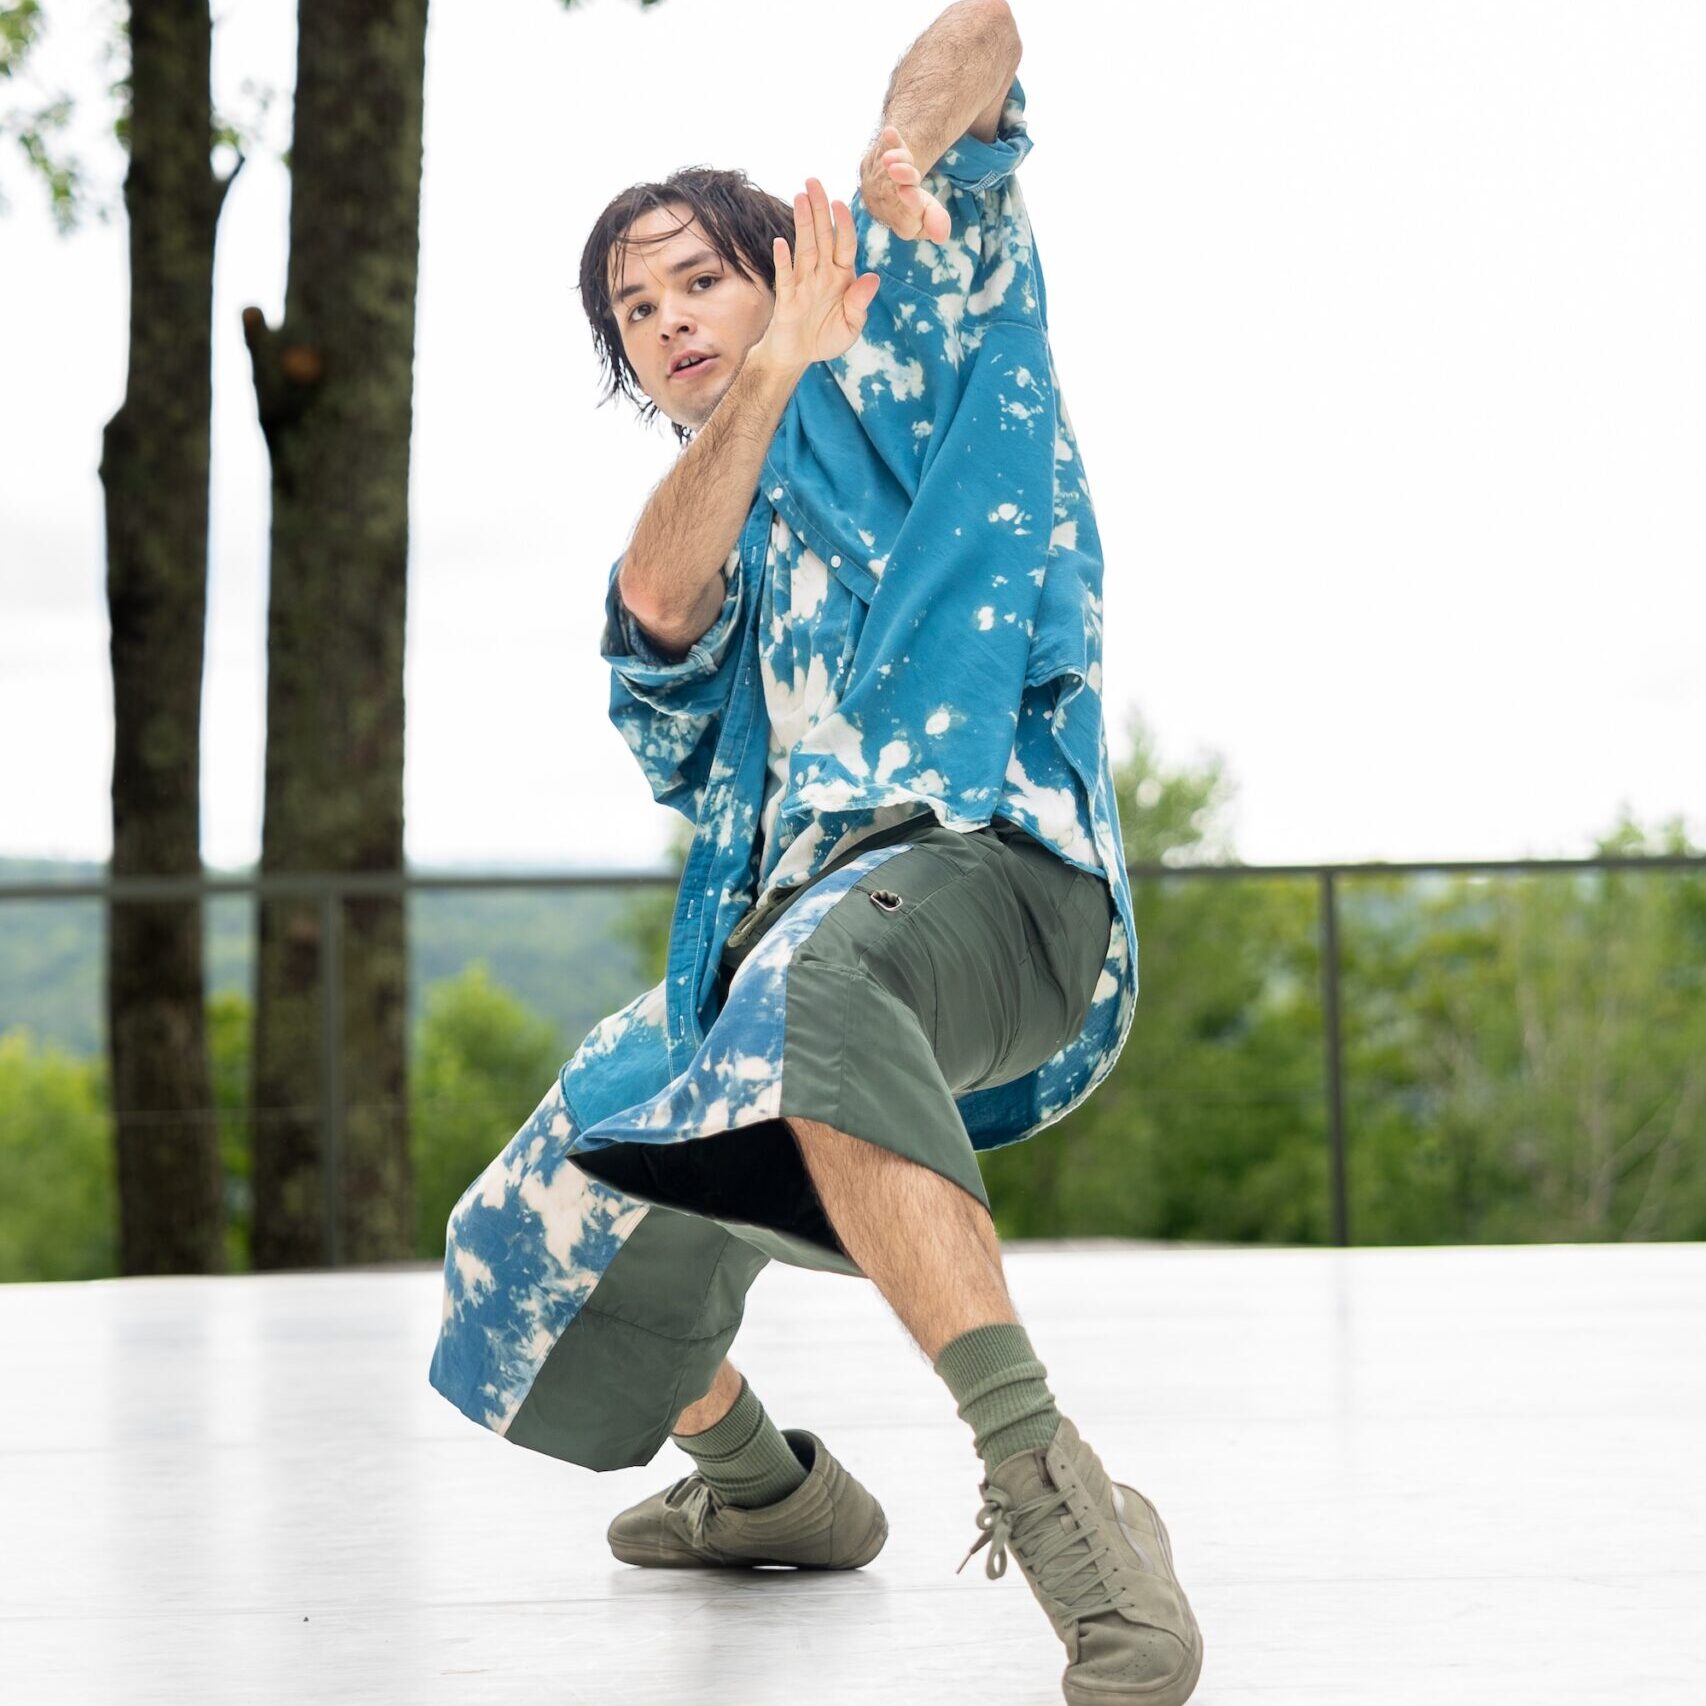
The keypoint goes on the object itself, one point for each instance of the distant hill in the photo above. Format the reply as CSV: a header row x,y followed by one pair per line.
x,y
559,951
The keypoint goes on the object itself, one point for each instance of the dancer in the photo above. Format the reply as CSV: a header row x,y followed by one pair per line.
x,y
855,639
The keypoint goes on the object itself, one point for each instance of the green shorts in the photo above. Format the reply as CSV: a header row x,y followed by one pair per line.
x,y
962,961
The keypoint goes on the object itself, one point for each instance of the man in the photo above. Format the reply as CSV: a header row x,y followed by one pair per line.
x,y
851,644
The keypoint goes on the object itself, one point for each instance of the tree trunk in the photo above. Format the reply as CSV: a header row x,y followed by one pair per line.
x,y
334,385
154,471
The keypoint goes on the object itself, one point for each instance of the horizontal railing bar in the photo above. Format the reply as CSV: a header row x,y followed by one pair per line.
x,y
314,885
317,884
1417,867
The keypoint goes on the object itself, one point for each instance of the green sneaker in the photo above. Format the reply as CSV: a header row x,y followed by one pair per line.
x,y
1096,1555
828,1522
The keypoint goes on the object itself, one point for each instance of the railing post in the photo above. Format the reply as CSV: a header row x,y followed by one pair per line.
x,y
1335,1075
331,1067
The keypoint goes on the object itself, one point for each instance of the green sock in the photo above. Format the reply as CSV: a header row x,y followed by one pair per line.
x,y
998,1386
744,1456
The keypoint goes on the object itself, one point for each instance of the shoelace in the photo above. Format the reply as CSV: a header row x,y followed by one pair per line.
x,y
1043,1542
698,1500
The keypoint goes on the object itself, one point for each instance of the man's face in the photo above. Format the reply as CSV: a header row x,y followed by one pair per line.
x,y
680,296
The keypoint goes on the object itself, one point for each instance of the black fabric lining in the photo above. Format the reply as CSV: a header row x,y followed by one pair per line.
x,y
756,1176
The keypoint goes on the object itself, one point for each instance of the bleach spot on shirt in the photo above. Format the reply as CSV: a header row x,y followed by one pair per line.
x,y
877,365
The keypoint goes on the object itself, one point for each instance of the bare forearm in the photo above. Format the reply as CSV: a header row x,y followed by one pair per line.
x,y
957,72
669,576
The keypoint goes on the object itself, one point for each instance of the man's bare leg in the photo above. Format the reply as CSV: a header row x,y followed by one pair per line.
x,y
736,1445
707,1411
928,1246
930,1249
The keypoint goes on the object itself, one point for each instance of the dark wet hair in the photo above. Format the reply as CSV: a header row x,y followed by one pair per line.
x,y
741,221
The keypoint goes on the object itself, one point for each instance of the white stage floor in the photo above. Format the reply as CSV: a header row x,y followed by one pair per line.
x,y
1391,1477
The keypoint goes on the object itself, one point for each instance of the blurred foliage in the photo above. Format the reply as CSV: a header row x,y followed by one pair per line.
x,y
58,1196
38,121
1225,1046
228,1023
1524,1054
482,1064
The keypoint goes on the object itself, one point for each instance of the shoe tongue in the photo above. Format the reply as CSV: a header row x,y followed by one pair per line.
x,y
1095,1478
1021,1476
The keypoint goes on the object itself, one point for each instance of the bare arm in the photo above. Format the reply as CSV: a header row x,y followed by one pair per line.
x,y
670,577
954,78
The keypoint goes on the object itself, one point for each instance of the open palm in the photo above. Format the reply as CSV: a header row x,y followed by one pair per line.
x,y
820,304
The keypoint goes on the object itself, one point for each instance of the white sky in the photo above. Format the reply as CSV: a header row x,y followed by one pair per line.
x,y
1379,327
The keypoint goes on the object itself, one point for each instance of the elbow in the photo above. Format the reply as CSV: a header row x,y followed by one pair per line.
x,y
644,610
626,589
998,15
664,632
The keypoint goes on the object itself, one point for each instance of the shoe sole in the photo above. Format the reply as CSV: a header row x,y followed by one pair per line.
x,y
1170,1691
678,1558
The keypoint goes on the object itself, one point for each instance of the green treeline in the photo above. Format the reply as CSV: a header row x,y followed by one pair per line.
x,y
1524,1061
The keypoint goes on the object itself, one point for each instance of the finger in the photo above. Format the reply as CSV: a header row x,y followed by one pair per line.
x,y
805,242
823,228
905,172
856,301
783,262
846,238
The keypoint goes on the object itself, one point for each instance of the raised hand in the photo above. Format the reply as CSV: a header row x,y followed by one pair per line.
x,y
820,305
894,192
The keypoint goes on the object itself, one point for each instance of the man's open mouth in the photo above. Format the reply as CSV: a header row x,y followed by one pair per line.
x,y
692,363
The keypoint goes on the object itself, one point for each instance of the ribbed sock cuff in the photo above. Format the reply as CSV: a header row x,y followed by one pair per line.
x,y
999,1387
744,1456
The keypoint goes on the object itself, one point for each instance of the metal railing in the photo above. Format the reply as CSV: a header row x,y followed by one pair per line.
x,y
332,888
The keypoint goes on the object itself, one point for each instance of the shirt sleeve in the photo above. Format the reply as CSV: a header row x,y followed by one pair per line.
x,y
670,710
975,165
935,300
966,599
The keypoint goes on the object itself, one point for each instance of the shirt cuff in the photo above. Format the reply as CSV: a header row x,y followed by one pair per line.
x,y
626,648
974,164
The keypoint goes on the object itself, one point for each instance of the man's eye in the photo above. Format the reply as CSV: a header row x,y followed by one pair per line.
x,y
699,280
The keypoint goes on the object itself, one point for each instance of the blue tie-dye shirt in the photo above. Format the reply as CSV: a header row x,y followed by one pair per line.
x,y
809,624
912,619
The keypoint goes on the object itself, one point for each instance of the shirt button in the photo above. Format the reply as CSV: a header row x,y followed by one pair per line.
x,y
776,492
835,562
